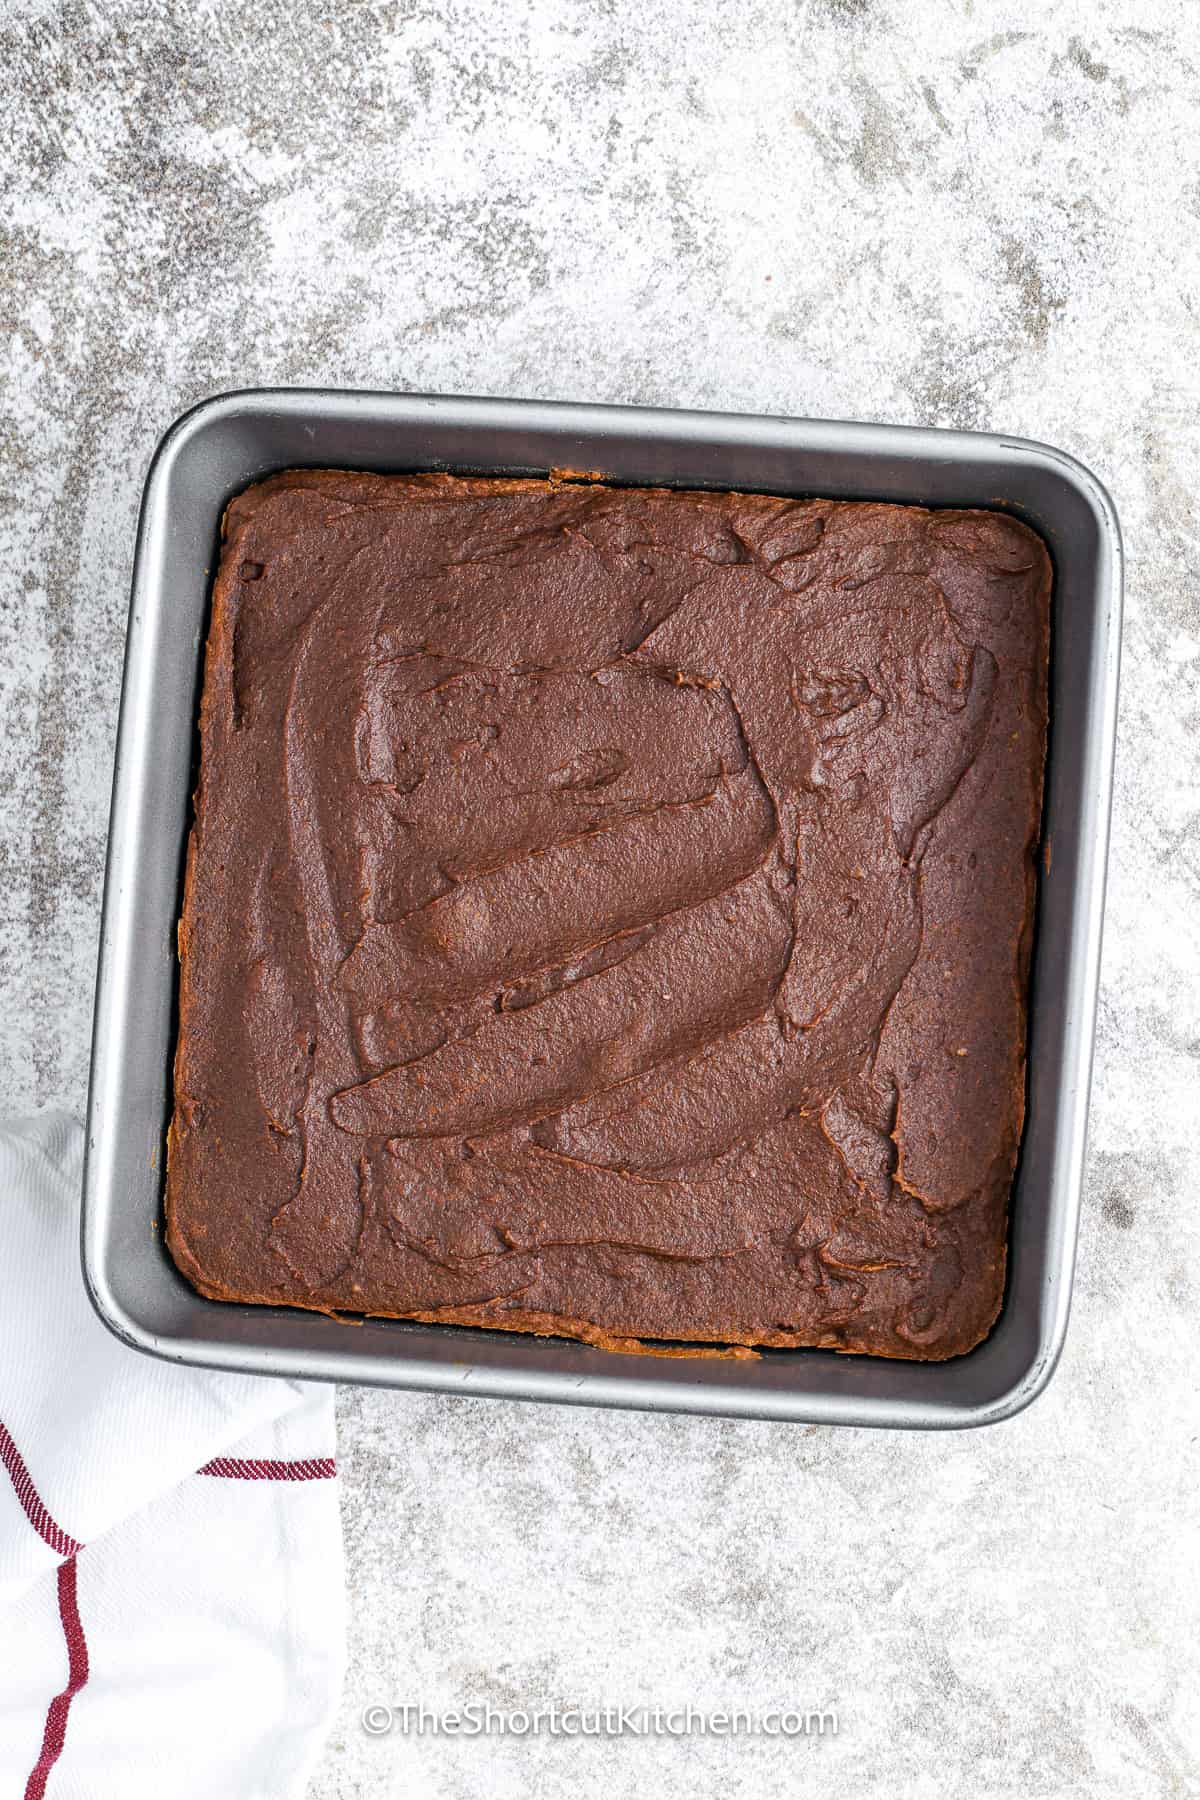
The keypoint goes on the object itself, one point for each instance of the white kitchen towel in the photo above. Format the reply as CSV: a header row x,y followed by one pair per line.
x,y
171,1610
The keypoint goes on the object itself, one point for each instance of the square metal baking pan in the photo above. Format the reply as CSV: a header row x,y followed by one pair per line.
x,y
230,441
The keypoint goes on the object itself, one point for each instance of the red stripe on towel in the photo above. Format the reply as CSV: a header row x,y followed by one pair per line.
x,y
54,1734
53,1534
254,1468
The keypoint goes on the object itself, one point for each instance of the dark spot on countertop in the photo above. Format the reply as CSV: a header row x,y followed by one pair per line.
x,y
983,52
1037,297
1086,63
1118,1211
844,12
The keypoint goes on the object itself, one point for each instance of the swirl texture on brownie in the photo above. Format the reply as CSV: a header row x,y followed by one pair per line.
x,y
608,911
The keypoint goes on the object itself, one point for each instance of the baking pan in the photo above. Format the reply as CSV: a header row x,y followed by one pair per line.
x,y
237,438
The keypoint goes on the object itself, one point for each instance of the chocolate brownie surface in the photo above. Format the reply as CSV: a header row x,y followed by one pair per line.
x,y
608,911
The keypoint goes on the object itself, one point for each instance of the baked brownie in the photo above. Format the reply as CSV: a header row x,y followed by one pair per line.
x,y
608,912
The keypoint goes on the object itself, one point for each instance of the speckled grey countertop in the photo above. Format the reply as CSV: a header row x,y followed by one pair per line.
x,y
938,211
